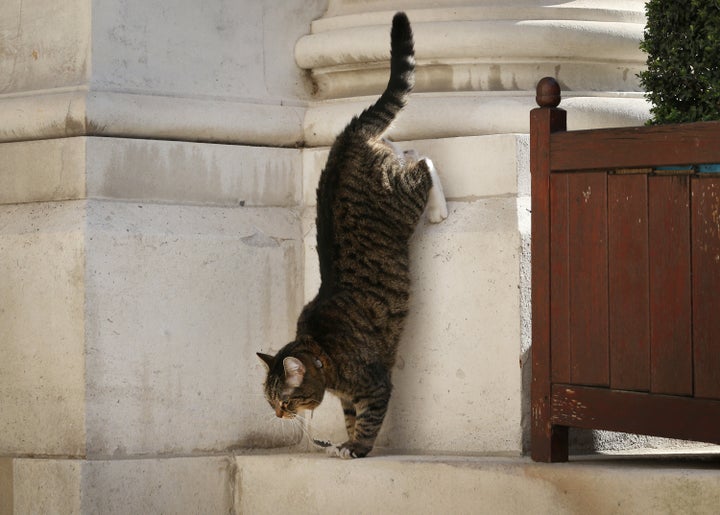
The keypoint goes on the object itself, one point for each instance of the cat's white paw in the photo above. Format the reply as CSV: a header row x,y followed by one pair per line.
x,y
437,213
333,450
437,210
346,451
338,451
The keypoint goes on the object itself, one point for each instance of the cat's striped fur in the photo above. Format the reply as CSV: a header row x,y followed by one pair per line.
x,y
369,200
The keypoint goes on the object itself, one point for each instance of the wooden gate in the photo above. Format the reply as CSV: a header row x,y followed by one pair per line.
x,y
625,280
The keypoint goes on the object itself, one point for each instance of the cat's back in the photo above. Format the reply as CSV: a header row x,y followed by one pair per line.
x,y
363,225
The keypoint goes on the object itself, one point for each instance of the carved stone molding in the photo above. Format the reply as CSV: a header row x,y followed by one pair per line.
x,y
478,63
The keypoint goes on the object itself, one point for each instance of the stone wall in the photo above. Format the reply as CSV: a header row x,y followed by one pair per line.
x,y
157,172
150,243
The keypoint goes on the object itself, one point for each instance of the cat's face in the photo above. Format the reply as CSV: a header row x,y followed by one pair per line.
x,y
290,386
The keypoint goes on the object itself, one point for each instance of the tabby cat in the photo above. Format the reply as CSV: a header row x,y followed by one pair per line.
x,y
369,200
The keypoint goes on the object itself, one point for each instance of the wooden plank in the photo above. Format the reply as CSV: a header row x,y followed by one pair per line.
x,y
706,285
560,283
636,147
637,412
588,266
629,309
669,257
549,443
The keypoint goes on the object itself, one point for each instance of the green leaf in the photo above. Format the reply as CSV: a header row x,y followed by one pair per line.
x,y
682,42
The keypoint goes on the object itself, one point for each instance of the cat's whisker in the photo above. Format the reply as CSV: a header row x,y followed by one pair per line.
x,y
301,422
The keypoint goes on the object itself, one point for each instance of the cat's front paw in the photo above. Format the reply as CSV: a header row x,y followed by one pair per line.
x,y
349,450
437,212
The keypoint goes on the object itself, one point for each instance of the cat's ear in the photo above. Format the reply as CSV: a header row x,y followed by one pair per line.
x,y
294,371
267,360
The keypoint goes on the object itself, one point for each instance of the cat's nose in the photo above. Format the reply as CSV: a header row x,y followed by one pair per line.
x,y
279,412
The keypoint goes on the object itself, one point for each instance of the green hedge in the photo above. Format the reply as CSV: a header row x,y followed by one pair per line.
x,y
682,40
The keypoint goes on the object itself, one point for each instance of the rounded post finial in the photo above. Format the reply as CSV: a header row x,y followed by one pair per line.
x,y
548,92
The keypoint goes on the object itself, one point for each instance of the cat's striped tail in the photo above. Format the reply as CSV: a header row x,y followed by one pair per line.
x,y
377,118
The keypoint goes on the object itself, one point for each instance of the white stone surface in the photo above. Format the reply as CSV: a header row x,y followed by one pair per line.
x,y
470,167
52,487
46,45
149,170
35,171
238,121
453,75
457,382
477,65
472,39
170,485
457,378
120,320
198,173
224,49
385,484
219,71
609,10
587,46
178,300
476,166
131,328
42,327
438,116
464,485
7,486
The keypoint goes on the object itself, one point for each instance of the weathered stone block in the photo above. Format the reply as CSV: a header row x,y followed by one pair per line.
x,y
178,300
149,170
470,167
457,378
124,324
462,484
42,329
47,486
203,484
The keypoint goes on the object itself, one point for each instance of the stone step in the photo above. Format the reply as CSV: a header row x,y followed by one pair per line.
x,y
493,485
314,483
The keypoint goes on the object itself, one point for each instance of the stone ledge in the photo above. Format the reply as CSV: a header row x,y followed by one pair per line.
x,y
77,111
349,13
314,483
470,167
492,48
435,484
437,115
463,39
499,75
149,171
201,484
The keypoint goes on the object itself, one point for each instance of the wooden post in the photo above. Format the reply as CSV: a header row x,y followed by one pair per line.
x,y
548,442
